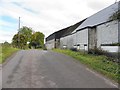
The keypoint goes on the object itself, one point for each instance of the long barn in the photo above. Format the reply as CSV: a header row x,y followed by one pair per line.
x,y
97,31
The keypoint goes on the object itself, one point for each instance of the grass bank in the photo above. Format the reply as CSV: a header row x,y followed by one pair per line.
x,y
5,52
101,63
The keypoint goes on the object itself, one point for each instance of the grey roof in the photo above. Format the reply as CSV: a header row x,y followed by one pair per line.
x,y
72,28
57,34
64,32
100,17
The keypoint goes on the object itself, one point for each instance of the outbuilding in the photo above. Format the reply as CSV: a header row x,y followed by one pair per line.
x,y
98,31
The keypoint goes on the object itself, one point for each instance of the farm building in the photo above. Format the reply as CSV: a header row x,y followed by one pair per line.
x,y
67,40
97,31
53,40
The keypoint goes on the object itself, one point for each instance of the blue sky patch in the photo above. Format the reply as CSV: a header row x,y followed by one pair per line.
x,y
9,28
9,19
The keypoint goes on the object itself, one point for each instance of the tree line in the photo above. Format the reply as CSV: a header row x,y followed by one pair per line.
x,y
27,38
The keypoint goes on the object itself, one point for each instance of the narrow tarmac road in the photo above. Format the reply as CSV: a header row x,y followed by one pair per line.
x,y
47,69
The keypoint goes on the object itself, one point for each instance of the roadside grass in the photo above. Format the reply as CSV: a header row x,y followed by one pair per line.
x,y
5,52
100,63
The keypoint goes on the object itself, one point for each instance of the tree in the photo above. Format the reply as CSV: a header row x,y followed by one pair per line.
x,y
27,32
19,41
6,43
37,40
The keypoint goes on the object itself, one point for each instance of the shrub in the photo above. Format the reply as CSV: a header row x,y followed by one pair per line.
x,y
113,44
44,47
110,56
97,51
73,49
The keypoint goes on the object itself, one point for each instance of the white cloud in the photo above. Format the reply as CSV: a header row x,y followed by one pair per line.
x,y
6,35
51,15
99,4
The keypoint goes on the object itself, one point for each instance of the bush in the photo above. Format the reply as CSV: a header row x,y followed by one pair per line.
x,y
97,51
110,56
44,47
113,44
73,49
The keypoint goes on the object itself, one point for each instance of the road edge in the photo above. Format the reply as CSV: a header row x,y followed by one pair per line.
x,y
9,58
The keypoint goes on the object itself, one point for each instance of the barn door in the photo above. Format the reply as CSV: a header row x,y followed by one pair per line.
x,y
92,38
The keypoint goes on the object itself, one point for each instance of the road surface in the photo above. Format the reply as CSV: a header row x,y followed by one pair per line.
x,y
47,69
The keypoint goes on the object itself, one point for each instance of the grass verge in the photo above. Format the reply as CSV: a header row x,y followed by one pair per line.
x,y
5,52
99,63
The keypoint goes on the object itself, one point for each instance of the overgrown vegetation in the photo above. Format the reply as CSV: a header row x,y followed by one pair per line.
x,y
100,63
113,56
6,51
115,16
37,40
113,44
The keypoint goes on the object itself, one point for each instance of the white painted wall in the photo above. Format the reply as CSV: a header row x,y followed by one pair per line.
x,y
82,48
110,48
107,33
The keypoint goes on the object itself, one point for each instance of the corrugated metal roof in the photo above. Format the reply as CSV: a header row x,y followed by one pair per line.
x,y
100,17
72,28
57,34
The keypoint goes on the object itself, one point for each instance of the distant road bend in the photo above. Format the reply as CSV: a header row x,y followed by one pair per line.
x,y
47,69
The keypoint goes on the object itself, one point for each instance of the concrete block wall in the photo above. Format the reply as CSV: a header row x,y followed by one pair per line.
x,y
70,41
74,39
67,41
107,33
82,39
50,44
63,41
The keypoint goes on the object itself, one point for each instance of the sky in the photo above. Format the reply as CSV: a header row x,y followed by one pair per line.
x,y
46,16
